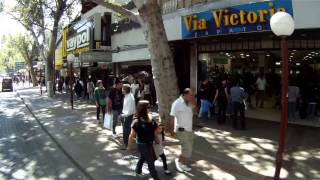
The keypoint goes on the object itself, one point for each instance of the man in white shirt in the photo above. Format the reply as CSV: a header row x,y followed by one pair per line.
x,y
182,111
261,88
129,108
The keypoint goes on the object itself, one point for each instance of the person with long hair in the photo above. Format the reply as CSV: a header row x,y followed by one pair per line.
x,y
144,129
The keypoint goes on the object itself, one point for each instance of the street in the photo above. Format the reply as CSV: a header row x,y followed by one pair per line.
x,y
26,152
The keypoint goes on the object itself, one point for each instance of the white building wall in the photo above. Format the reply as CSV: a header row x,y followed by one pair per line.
x,y
305,15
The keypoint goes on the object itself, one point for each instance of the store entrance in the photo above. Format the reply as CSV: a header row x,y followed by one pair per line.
x,y
247,66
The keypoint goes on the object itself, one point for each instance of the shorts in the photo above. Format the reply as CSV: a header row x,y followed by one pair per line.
x,y
186,140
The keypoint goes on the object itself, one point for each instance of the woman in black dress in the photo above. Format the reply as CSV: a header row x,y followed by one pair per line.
x,y
144,129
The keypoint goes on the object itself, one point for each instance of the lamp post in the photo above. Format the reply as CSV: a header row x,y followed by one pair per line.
x,y
282,25
70,59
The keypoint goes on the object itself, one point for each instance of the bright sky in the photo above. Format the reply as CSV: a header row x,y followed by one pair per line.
x,y
9,26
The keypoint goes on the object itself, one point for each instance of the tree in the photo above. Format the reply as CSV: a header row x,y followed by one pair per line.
x,y
8,55
42,18
27,48
163,69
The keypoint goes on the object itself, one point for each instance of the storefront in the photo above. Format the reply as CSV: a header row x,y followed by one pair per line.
x,y
236,41
89,40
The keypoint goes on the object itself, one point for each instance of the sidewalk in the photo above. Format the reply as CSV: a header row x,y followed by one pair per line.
x,y
220,152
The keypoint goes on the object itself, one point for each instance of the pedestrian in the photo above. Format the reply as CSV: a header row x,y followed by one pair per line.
x,y
237,95
144,129
116,103
205,94
261,84
182,111
221,98
90,89
129,108
135,90
159,148
293,97
101,100
78,89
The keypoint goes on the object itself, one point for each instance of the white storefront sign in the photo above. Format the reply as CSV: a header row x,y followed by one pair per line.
x,y
80,40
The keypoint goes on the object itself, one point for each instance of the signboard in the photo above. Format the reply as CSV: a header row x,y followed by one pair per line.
x,y
81,39
19,65
96,57
245,18
78,38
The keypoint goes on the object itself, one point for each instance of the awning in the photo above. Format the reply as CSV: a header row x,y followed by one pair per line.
x,y
95,56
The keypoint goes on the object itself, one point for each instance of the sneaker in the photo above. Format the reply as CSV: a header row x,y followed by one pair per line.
x,y
167,172
178,165
185,167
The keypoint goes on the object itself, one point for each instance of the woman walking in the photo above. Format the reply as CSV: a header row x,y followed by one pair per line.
x,y
144,129
221,98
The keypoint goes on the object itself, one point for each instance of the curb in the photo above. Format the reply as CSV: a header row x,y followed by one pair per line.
x,y
73,161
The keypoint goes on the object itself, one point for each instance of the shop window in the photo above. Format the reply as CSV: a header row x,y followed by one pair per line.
x,y
310,43
304,43
245,45
317,44
251,45
257,44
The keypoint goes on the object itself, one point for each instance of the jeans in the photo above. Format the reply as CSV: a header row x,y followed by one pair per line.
x,y
103,112
146,154
312,109
237,106
164,161
126,129
222,113
292,106
260,97
115,114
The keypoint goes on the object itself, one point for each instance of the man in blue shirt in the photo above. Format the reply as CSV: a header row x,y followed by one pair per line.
x,y
237,95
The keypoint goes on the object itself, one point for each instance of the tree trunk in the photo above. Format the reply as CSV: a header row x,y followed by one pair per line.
x,y
32,73
50,57
162,61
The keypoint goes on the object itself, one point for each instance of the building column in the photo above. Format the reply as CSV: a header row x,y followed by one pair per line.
x,y
194,67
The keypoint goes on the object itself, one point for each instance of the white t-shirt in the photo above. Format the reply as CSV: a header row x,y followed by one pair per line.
x,y
129,106
261,84
183,114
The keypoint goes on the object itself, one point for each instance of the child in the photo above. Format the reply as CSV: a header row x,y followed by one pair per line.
x,y
159,148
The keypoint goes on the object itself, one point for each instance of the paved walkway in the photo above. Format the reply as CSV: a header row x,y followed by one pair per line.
x,y
220,152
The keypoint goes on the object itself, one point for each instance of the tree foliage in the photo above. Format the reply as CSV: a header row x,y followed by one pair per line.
x,y
9,55
42,19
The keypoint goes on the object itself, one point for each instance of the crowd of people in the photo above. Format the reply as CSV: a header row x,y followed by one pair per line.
x,y
138,124
216,98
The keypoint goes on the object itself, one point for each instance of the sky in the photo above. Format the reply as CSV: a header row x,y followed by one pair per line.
x,y
9,26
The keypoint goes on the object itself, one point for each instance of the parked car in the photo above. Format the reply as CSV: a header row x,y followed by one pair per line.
x,y
6,84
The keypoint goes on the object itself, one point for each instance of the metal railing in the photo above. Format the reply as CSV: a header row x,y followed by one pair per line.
x,y
169,6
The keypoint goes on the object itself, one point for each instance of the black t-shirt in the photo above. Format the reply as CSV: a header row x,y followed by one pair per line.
x,y
116,97
145,130
206,91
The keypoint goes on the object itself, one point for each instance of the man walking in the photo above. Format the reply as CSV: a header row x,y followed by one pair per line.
x,y
237,98
116,103
261,87
128,111
182,111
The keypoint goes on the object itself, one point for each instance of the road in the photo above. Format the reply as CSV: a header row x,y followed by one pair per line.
x,y
26,151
